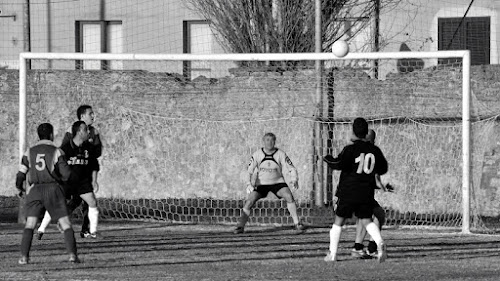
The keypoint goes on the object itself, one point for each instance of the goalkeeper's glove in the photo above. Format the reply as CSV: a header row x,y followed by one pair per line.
x,y
389,188
250,188
295,185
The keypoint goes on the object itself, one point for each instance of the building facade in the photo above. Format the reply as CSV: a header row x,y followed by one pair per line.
x,y
160,27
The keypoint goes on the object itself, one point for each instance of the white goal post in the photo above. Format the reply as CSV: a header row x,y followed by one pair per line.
x,y
466,94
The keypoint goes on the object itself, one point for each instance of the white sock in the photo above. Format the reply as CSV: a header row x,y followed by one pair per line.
x,y
374,232
334,239
45,222
93,218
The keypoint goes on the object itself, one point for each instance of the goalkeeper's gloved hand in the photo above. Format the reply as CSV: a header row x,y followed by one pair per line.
x,y
250,188
389,188
295,185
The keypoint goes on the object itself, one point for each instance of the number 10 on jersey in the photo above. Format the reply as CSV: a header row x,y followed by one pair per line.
x,y
366,163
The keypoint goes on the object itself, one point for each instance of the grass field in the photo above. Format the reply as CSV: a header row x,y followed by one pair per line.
x,y
156,251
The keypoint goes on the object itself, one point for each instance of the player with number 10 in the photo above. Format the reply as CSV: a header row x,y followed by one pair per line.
x,y
358,163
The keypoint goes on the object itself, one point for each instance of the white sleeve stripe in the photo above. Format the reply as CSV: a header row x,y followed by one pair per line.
x,y
23,169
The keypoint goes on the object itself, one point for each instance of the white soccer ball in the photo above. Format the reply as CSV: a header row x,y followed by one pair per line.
x,y
340,48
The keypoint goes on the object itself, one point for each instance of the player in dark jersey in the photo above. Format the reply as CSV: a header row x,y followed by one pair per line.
x,y
265,174
86,114
378,217
77,151
44,167
358,162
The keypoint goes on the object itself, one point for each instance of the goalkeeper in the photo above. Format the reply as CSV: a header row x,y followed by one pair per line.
x,y
269,162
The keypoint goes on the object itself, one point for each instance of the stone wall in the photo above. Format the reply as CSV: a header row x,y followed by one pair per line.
x,y
165,137
170,138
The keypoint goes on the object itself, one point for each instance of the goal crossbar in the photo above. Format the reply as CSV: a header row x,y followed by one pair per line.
x,y
247,57
463,54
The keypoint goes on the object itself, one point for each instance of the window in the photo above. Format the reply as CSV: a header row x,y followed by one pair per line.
x,y
473,34
198,39
99,37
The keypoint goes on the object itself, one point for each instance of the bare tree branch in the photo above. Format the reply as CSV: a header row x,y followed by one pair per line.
x,y
283,26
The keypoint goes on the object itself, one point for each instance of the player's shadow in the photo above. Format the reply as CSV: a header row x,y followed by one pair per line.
x,y
211,260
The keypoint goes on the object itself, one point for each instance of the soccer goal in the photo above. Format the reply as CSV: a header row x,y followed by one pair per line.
x,y
179,129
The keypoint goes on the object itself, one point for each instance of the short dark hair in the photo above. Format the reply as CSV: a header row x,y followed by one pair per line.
x,y
360,127
371,135
76,127
82,109
270,135
45,130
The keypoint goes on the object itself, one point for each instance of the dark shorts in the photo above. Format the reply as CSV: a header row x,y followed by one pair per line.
x,y
46,197
347,209
263,190
81,189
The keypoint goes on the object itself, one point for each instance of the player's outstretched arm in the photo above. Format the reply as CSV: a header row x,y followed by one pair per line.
x,y
332,162
67,137
379,183
335,163
62,169
381,165
20,178
251,175
287,163
21,174
384,187
97,144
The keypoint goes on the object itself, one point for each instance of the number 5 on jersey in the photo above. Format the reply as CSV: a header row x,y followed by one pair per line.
x,y
366,163
40,162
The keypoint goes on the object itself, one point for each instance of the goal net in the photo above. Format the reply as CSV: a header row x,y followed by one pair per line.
x,y
179,130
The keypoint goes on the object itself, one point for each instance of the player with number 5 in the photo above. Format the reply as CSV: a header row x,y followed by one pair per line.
x,y
44,167
358,163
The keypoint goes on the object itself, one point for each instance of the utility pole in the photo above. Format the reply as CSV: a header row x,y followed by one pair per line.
x,y
49,32
27,30
102,15
376,35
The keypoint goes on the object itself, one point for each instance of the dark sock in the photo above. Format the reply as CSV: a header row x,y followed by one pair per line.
x,y
69,238
86,221
372,246
358,246
243,219
26,242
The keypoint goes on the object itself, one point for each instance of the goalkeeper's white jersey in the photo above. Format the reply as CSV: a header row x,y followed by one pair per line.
x,y
270,167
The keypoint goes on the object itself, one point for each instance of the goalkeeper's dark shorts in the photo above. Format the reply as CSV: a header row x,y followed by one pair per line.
x,y
263,190
360,210
46,197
